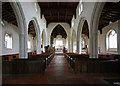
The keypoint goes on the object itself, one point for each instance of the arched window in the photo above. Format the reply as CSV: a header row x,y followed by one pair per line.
x,y
59,42
8,41
112,39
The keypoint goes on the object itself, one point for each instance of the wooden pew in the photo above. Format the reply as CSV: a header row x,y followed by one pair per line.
x,y
83,64
10,57
23,66
35,64
71,58
97,66
15,56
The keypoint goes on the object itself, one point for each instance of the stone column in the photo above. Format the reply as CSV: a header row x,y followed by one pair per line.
x,y
118,38
38,45
93,48
22,29
78,46
88,45
69,44
44,43
23,40
72,45
80,49
21,46
26,44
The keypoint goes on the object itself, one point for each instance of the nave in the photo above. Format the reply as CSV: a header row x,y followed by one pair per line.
x,y
59,72
34,34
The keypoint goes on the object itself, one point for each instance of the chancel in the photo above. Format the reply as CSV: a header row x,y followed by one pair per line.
x,y
65,43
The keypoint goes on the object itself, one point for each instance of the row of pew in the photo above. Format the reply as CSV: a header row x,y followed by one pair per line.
x,y
36,63
9,57
83,64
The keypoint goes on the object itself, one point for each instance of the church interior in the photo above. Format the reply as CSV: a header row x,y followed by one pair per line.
x,y
60,43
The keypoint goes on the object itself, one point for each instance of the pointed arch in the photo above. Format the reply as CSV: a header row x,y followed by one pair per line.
x,y
94,29
80,30
59,29
17,8
36,34
111,40
57,25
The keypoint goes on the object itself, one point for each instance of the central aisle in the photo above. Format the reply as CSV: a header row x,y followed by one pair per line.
x,y
59,71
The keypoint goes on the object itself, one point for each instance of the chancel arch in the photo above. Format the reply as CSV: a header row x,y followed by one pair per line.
x,y
58,37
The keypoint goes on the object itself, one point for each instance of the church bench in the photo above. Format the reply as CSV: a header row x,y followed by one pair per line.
x,y
97,66
40,57
46,56
100,56
117,56
71,57
23,66
14,56
83,64
109,56
10,57
35,64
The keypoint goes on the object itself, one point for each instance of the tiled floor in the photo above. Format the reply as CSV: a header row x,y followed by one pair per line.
x,y
58,72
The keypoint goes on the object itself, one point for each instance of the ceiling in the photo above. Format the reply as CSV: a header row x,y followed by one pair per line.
x,y
8,13
58,11
110,12
59,30
63,12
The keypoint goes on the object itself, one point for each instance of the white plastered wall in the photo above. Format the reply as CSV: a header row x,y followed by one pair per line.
x,y
102,38
14,31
